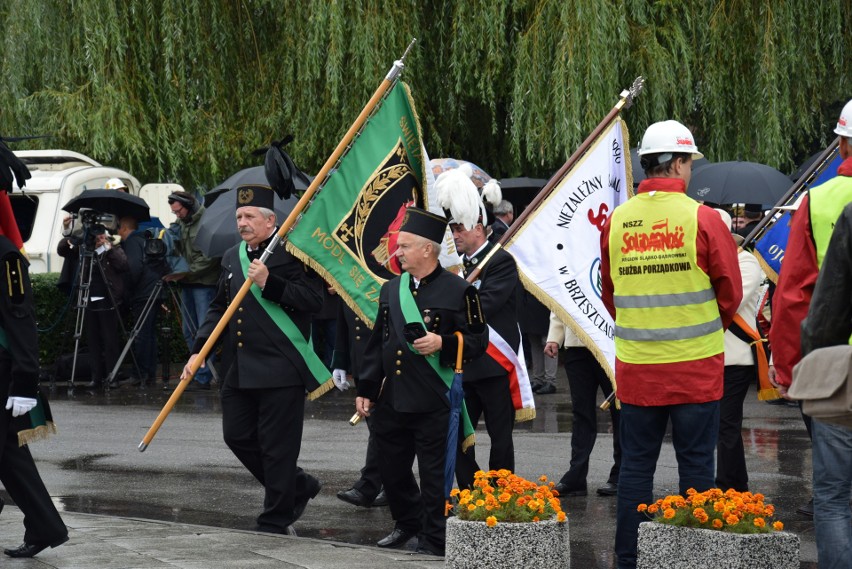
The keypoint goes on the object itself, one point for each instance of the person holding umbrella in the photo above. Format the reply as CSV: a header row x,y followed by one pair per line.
x,y
413,345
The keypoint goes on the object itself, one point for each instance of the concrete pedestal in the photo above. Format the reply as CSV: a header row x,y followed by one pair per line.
x,y
474,545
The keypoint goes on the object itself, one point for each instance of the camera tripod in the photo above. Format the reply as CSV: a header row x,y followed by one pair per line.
x,y
87,262
143,315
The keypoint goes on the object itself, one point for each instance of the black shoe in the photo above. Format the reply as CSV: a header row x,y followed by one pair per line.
x,y
608,489
32,549
807,509
197,386
302,503
565,491
381,500
535,386
396,538
546,389
93,384
355,497
425,549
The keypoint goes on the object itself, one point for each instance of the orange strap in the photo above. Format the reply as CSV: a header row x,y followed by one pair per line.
x,y
765,390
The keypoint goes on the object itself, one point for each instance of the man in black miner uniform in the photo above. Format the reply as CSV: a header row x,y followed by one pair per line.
x,y
265,374
411,410
349,345
19,379
486,382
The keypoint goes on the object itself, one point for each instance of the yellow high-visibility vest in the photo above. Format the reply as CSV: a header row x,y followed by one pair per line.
x,y
665,304
825,202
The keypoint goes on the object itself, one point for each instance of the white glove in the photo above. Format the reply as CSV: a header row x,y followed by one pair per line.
x,y
20,405
338,376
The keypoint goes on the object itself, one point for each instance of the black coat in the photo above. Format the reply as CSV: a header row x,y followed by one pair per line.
x,y
256,353
140,278
19,361
498,292
350,341
447,304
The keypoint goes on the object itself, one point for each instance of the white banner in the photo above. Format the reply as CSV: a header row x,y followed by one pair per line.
x,y
558,248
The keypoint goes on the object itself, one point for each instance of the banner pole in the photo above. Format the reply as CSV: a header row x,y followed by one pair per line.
x,y
387,83
625,100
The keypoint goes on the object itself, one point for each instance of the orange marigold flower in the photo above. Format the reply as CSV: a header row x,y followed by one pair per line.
x,y
447,508
732,520
691,491
777,526
542,478
669,513
535,519
454,492
653,509
480,503
642,507
759,522
504,497
560,516
717,523
491,521
488,489
719,506
471,507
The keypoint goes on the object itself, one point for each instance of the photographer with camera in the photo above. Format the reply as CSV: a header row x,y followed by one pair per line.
x,y
198,285
102,272
140,280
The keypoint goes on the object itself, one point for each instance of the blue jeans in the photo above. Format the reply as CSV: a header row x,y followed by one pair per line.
x,y
196,301
832,459
695,428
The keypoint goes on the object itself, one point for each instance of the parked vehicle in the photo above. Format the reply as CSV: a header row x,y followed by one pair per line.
x,y
58,176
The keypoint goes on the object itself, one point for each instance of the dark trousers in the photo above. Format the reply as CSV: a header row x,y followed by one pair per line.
x,y
731,469
585,377
695,428
263,428
145,344
489,397
401,437
18,473
102,324
370,483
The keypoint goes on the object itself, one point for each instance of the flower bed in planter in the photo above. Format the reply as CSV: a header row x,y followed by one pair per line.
x,y
674,547
475,545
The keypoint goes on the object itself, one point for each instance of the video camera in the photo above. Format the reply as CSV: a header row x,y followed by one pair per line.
x,y
90,222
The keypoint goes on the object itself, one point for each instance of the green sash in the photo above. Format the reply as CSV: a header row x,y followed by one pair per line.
x,y
412,314
315,365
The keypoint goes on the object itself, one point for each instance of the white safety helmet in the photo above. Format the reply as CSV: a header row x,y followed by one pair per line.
x,y
115,184
844,123
666,138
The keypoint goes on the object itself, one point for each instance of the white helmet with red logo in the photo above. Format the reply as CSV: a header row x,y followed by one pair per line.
x,y
844,123
115,184
668,137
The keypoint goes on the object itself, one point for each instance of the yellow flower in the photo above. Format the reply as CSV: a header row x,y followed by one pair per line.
x,y
480,503
454,492
491,521
560,517
471,507
777,526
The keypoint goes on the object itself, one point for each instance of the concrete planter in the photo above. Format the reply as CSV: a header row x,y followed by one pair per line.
x,y
474,545
662,545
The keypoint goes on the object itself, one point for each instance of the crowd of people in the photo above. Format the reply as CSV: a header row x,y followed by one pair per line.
x,y
689,345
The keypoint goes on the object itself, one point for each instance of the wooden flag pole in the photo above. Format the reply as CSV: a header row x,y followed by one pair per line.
x,y
626,99
385,86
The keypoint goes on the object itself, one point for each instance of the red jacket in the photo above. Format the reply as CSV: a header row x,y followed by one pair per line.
x,y
795,288
695,381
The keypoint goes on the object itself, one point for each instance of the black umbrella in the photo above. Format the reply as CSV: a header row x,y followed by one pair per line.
x,y
110,201
255,176
639,173
738,182
217,230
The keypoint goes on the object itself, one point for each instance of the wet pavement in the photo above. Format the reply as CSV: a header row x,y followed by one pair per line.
x,y
188,476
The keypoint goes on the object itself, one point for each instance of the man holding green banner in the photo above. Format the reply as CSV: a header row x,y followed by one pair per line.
x,y
414,347
268,362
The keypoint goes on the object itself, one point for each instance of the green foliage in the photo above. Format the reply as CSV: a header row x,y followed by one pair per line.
x,y
184,90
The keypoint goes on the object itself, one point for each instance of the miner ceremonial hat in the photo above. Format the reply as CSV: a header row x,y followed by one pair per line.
x,y
256,196
461,200
425,224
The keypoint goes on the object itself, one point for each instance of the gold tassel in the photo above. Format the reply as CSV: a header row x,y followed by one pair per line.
x,y
321,390
522,415
769,394
40,433
468,442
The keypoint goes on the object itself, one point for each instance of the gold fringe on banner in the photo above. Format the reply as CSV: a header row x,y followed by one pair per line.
x,y
321,390
522,415
40,433
468,442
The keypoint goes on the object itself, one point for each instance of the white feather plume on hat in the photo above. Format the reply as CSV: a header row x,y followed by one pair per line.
x,y
458,195
491,192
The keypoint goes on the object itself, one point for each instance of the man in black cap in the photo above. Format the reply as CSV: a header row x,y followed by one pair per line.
x,y
267,362
412,340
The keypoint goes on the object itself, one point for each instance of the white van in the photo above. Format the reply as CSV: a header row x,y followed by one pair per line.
x,y
58,176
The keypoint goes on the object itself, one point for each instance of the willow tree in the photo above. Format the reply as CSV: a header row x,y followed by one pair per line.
x,y
183,90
